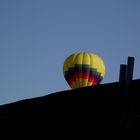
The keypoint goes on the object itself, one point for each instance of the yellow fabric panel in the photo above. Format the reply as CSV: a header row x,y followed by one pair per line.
x,y
79,80
84,82
79,83
86,58
78,58
74,85
69,62
89,84
98,60
102,65
93,61
97,63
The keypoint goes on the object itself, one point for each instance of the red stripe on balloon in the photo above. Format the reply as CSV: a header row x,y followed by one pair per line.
x,y
77,75
72,79
84,75
93,80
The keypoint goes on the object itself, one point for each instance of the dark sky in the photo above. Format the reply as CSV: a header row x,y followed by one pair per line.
x,y
36,36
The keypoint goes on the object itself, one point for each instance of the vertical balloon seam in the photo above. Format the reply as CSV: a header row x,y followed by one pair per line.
x,y
82,81
87,68
93,70
66,72
84,69
80,69
74,83
98,68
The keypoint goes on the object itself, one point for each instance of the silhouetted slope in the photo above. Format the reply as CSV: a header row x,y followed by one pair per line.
x,y
99,111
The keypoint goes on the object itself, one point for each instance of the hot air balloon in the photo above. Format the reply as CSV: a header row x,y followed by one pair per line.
x,y
83,69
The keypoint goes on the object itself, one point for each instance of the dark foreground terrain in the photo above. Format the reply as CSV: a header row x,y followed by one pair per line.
x,y
99,112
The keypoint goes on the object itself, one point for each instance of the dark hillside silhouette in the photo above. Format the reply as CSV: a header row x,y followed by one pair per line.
x,y
98,111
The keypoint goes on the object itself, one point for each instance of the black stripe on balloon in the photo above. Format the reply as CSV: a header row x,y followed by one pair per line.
x,y
83,68
98,74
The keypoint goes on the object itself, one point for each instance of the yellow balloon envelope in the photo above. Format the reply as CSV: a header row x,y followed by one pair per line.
x,y
83,69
